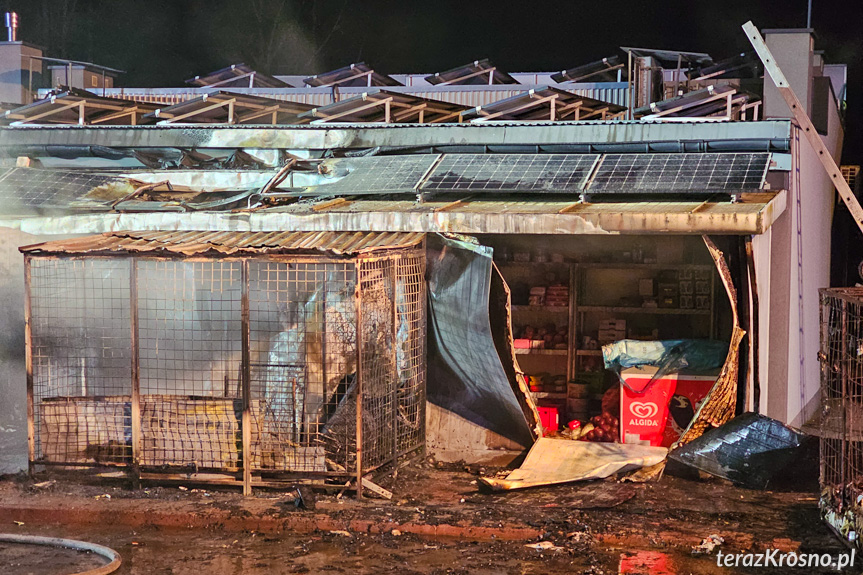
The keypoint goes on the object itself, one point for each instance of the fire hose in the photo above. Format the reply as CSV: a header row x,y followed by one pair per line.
x,y
112,556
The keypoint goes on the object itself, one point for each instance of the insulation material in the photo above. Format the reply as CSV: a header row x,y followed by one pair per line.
x,y
721,402
466,371
553,461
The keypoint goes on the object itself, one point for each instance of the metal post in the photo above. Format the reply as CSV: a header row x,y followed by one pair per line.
x,y
629,82
358,302
394,392
247,392
809,15
28,360
136,372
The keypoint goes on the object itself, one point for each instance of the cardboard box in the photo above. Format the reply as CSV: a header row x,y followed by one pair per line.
x,y
606,335
645,287
614,324
657,413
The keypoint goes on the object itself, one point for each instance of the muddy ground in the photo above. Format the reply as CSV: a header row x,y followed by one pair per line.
x,y
437,522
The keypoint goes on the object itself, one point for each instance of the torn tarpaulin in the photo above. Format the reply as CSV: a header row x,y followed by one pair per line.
x,y
553,461
748,450
466,375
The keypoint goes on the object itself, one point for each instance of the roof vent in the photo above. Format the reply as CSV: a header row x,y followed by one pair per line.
x,y
12,26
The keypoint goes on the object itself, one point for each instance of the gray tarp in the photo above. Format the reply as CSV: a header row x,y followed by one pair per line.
x,y
465,372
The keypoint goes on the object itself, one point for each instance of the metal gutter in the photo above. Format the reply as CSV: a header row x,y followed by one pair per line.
x,y
557,218
398,136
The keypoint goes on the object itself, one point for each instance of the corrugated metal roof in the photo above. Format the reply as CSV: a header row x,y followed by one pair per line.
x,y
198,242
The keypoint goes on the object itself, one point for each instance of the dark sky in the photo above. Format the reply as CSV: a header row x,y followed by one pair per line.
x,y
163,42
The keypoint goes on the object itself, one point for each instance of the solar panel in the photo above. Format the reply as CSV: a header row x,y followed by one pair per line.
x,y
29,191
376,175
504,173
690,172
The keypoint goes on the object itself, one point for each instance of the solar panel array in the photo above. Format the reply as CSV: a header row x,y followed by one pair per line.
x,y
377,175
694,172
561,173
29,191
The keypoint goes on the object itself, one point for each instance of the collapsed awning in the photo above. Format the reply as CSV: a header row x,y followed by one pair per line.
x,y
754,214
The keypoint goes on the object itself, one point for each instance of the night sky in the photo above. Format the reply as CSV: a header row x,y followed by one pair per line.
x,y
163,42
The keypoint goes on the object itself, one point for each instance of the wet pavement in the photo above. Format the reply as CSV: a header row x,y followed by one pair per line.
x,y
601,527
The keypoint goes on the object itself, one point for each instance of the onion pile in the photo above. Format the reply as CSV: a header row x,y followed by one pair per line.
x,y
605,428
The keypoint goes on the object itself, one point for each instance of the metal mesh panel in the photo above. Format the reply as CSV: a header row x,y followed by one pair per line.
x,y
841,358
190,339
309,349
81,358
303,364
377,361
410,350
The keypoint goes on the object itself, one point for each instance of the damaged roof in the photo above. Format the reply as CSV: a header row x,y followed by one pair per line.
x,y
190,243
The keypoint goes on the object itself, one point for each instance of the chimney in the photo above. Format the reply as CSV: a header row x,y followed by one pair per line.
x,y
12,26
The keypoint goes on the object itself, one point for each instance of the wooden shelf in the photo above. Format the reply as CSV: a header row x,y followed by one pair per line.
x,y
543,308
591,352
548,395
647,310
511,264
522,351
626,266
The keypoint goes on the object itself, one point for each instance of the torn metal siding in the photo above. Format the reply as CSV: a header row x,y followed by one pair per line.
x,y
466,218
678,135
198,242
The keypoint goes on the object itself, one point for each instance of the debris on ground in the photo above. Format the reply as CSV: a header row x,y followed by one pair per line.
x,y
544,546
749,450
708,545
341,532
553,461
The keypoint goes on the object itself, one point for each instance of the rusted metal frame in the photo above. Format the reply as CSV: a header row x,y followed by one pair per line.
x,y
136,370
131,112
712,98
600,111
454,204
141,190
407,110
754,332
279,177
218,104
563,109
371,103
532,103
347,79
830,166
447,116
257,113
28,362
233,79
24,119
358,301
330,204
489,71
394,395
247,378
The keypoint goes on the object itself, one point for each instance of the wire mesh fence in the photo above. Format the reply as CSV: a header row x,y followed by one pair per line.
x,y
152,362
841,357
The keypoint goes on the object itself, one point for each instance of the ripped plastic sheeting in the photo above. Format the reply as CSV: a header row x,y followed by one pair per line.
x,y
553,461
466,375
669,356
749,450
